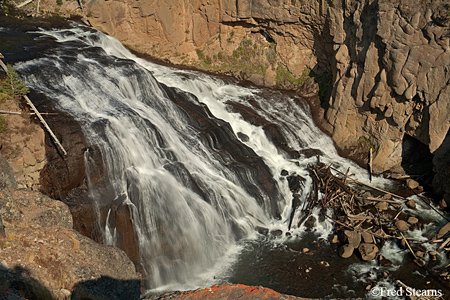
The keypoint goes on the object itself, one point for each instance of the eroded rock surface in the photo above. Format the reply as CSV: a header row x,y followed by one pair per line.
x,y
22,146
42,257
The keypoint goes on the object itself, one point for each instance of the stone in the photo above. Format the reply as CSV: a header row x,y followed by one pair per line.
x,y
420,262
367,237
309,223
368,251
284,172
324,263
383,261
305,250
401,225
420,254
335,239
244,138
411,204
382,206
276,232
412,220
346,251
262,230
412,184
354,238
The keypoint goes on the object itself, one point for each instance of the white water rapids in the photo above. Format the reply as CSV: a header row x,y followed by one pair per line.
x,y
186,238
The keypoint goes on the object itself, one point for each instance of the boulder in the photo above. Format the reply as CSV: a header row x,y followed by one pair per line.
x,y
367,237
401,225
412,184
382,206
354,238
346,251
368,251
411,203
412,220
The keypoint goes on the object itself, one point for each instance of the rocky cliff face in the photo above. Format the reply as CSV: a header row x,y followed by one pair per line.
x,y
382,65
390,76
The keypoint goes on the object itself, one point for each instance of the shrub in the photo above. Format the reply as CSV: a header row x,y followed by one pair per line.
x,y
283,75
13,86
3,123
203,57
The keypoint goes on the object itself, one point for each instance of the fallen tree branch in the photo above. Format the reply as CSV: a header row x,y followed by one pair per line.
x,y
23,3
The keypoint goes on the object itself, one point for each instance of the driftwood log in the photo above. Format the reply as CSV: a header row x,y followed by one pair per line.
x,y
363,221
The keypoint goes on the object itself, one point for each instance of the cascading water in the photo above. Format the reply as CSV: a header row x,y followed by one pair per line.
x,y
169,143
191,200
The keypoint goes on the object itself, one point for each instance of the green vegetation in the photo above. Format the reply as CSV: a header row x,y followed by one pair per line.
x,y
59,2
366,143
284,75
3,123
229,39
206,59
12,85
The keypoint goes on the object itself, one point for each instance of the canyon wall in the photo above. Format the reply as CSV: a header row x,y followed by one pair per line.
x,y
382,66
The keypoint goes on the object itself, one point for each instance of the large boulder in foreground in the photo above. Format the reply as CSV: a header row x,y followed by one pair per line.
x,y
42,257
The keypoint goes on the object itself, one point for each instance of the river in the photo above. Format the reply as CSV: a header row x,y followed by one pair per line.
x,y
199,159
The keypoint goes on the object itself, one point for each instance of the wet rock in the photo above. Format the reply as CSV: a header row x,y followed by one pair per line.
x,y
309,223
412,220
368,251
62,174
284,173
420,262
346,251
276,232
305,250
243,137
442,203
334,239
262,230
420,254
294,183
411,183
385,275
324,263
411,203
401,225
127,239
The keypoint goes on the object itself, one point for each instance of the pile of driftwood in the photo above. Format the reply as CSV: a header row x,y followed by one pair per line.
x,y
364,219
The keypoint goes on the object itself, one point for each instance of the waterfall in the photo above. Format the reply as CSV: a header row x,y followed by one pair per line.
x,y
169,143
